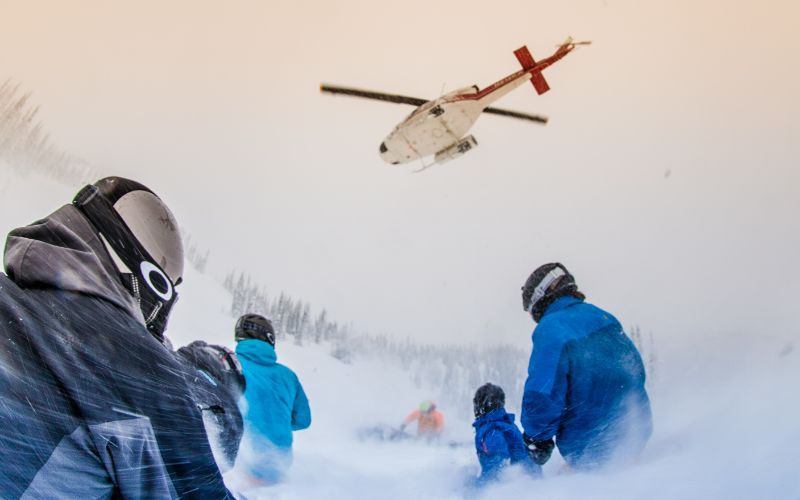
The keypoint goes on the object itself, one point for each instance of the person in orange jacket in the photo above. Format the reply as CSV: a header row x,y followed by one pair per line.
x,y
430,421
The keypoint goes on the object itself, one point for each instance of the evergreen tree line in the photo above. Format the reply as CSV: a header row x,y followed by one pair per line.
x,y
25,145
647,348
453,372
290,317
192,253
450,373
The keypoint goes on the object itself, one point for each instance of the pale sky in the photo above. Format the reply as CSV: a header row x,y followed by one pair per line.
x,y
666,181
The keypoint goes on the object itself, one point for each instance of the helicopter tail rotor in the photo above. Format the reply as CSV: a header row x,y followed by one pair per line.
x,y
571,44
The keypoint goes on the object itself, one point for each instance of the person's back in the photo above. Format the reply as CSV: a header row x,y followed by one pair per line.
x,y
607,378
498,441
275,402
585,385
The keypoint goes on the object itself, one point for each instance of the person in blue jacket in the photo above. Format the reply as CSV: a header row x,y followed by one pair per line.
x,y
498,441
275,403
585,389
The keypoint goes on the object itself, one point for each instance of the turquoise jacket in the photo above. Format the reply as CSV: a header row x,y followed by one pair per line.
x,y
276,402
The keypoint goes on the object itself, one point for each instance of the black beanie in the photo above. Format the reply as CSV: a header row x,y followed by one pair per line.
x,y
488,397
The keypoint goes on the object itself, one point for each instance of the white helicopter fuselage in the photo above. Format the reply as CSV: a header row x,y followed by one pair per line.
x,y
442,123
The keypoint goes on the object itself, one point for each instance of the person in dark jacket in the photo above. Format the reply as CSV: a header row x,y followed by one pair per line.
x,y
217,383
276,404
498,441
585,388
94,404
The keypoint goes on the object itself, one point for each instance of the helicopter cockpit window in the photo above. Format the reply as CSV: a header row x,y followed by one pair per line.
x,y
436,110
422,109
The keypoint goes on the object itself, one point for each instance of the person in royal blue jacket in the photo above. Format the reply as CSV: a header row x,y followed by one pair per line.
x,y
585,389
275,403
498,441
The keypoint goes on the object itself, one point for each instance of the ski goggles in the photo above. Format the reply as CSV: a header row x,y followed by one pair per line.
x,y
541,289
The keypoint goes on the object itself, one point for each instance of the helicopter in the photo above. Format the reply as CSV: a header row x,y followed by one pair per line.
x,y
438,127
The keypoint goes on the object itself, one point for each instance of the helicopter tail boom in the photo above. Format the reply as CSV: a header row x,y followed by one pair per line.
x,y
526,60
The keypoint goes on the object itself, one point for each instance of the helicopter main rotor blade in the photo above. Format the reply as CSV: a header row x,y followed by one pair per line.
x,y
516,114
415,101
368,94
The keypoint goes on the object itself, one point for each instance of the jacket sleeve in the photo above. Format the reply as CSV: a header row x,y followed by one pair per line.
x,y
414,415
301,412
543,399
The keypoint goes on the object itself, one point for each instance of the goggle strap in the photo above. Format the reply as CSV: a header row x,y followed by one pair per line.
x,y
541,289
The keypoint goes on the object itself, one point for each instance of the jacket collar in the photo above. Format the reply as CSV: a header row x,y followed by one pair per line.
x,y
561,303
498,415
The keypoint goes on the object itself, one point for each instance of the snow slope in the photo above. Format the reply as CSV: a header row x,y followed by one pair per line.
x,y
726,425
726,410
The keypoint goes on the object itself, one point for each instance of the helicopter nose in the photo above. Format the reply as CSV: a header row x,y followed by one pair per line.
x,y
388,152
386,155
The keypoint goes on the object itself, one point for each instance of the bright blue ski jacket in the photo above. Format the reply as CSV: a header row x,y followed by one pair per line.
x,y
585,385
276,402
498,442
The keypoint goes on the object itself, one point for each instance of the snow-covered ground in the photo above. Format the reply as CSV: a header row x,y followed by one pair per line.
x,y
726,415
726,410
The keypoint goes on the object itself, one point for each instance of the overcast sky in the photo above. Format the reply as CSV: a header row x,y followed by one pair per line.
x,y
666,181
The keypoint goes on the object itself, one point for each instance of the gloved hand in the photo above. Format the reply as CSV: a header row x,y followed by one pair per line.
x,y
539,451
402,427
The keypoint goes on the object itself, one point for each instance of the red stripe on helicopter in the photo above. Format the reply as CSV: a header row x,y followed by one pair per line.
x,y
491,88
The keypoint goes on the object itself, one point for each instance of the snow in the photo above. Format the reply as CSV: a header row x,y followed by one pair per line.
x,y
725,408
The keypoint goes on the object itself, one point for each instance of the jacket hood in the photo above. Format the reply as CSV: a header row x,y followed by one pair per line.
x,y
498,415
64,252
256,351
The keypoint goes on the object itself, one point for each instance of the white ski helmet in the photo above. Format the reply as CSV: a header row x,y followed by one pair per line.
x,y
143,240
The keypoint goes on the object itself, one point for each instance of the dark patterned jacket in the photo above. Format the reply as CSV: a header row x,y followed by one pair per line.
x,y
91,404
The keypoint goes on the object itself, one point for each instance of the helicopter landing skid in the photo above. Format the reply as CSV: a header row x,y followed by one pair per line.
x,y
424,167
